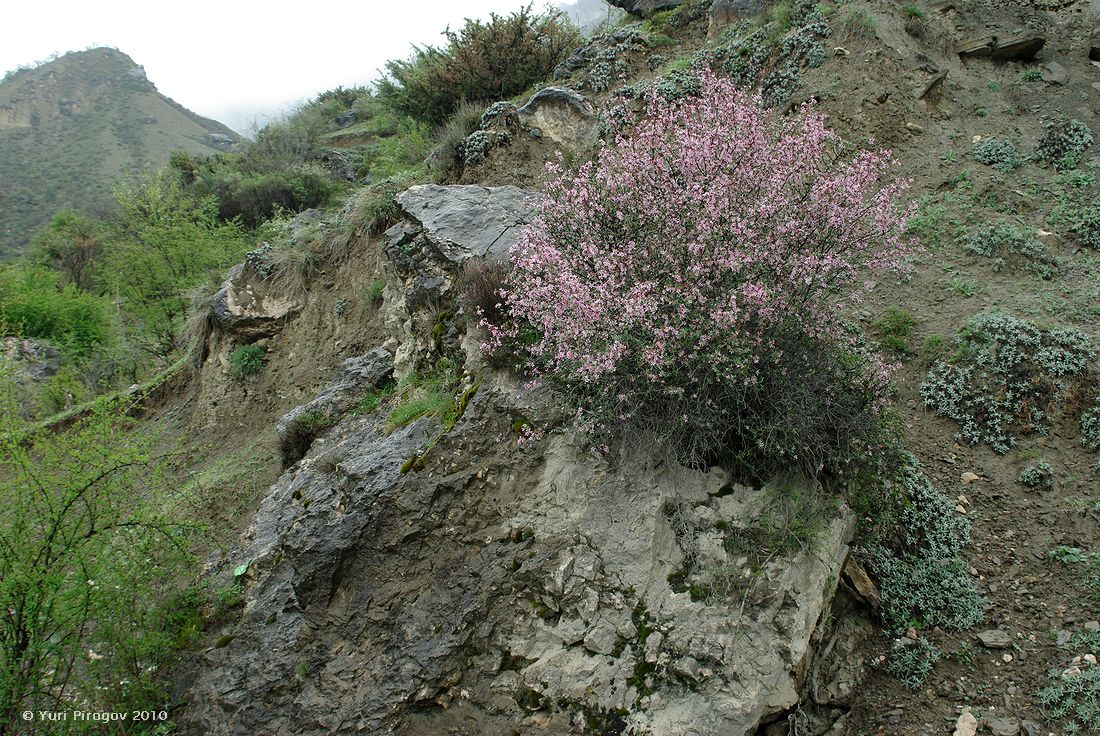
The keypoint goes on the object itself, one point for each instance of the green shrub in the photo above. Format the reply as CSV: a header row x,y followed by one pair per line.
x,y
1040,476
1001,155
447,155
1072,698
373,293
1090,427
1008,377
912,11
430,393
923,580
90,610
912,660
894,328
482,62
34,304
1063,137
1003,241
1032,75
375,207
246,360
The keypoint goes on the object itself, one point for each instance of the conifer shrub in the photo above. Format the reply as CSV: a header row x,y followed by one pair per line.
x,y
691,279
483,61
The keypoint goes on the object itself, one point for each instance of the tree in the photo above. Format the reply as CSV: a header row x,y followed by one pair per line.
x,y
89,554
71,245
164,244
693,280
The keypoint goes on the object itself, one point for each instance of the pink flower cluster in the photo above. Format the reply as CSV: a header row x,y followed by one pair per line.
x,y
669,262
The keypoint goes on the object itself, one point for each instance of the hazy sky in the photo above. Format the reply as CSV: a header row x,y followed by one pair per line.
x,y
239,61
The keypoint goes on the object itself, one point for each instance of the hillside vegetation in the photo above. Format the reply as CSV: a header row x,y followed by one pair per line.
x,y
810,289
70,127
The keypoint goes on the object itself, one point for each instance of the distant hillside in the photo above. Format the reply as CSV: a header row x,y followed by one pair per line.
x,y
70,127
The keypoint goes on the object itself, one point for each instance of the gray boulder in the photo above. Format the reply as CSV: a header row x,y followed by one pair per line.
x,y
353,380
30,360
441,228
508,588
562,115
247,306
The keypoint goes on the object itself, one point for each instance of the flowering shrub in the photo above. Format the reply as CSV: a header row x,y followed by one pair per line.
x,y
692,279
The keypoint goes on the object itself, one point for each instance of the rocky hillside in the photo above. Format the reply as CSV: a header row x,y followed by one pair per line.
x,y
436,572
70,127
416,539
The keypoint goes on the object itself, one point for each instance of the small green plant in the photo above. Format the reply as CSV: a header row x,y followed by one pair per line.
x,y
933,348
949,157
1001,155
1063,137
1032,75
1072,698
430,393
912,11
1007,376
246,360
911,661
981,112
993,86
966,287
1040,476
372,295
374,399
894,328
1005,242
1068,555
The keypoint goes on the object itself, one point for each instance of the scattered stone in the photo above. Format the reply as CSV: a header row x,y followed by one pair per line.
x,y
1054,73
1002,726
1092,625
1006,658
995,639
857,577
32,360
932,85
1017,48
969,477
1030,728
248,306
967,725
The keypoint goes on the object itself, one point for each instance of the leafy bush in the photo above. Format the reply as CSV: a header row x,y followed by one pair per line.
x,y
246,360
71,245
677,281
1001,155
1003,241
923,580
1040,475
90,550
482,62
34,304
1007,377
1063,137
479,284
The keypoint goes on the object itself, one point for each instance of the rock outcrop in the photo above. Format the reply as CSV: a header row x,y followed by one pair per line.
x,y
442,227
563,116
246,307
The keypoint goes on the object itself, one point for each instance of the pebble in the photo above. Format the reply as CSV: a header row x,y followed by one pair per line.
x,y
1007,658
969,477
995,639
1002,726
967,725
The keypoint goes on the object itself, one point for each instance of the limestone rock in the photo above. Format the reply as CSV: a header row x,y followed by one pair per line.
x,y
995,639
1010,48
247,306
355,378
967,725
1054,73
374,593
1002,726
563,116
31,360
441,228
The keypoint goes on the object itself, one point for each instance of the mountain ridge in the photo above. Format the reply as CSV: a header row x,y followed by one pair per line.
x,y
72,126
